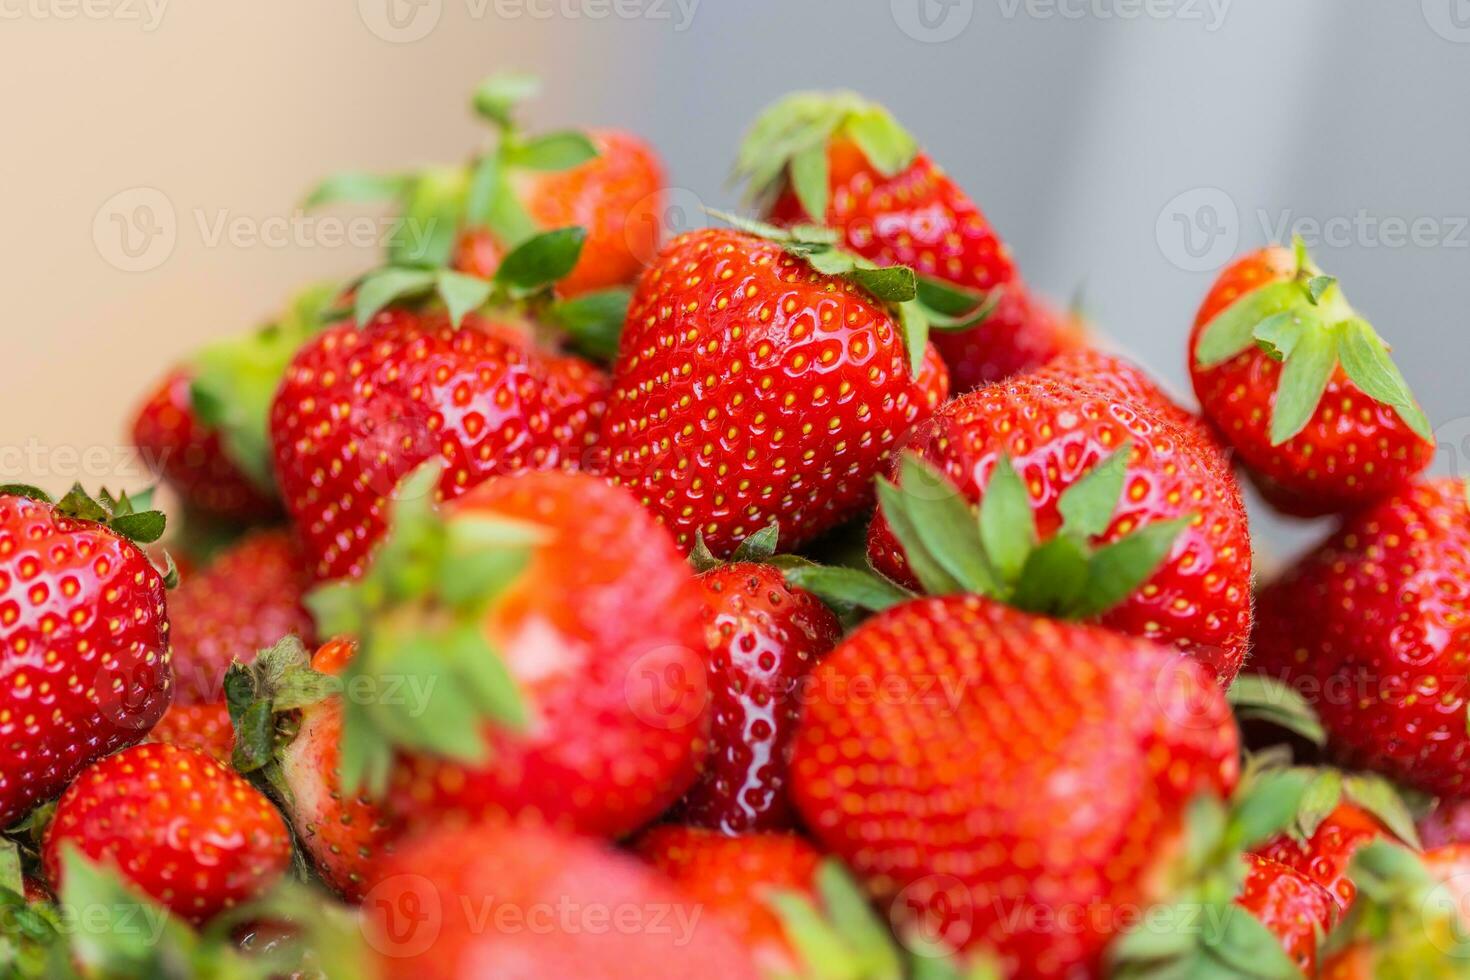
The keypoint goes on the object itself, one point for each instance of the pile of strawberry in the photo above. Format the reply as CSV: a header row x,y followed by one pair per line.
x,y
799,597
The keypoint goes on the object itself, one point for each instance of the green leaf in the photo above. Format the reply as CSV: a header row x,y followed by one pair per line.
x,y
809,179
1324,793
1247,949
1118,569
1052,580
1261,698
144,528
1087,506
1381,798
357,188
486,179
552,152
892,284
542,260
915,326
701,559
27,491
496,97
945,524
1317,287
254,737
79,504
848,586
1233,330
594,321
948,299
11,876
387,286
1267,806
1365,360
1007,523
462,294
931,573
886,144
759,546
427,230
1304,376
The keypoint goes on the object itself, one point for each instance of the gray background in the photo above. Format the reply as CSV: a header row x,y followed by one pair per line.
x,y
1128,146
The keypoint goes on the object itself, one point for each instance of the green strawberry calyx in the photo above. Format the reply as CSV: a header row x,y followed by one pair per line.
x,y
419,617
1328,787
995,551
1412,921
1306,323
917,310
836,932
235,380
1256,697
128,516
787,146
1199,931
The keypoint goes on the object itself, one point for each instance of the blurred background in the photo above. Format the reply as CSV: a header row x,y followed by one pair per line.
x,y
156,151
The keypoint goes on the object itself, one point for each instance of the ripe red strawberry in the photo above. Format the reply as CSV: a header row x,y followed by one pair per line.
x,y
763,637
182,828
244,600
770,889
544,644
518,902
291,719
1303,389
84,639
1026,766
1371,628
835,159
1055,433
202,727
1022,333
1324,853
1297,910
750,388
188,453
359,409
1447,823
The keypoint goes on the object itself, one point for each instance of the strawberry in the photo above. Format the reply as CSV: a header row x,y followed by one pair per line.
x,y
1323,848
189,454
1013,765
84,639
202,727
1297,910
1371,629
770,889
361,408
763,637
751,388
1172,482
245,599
1022,333
178,825
469,218
1303,388
835,159
1447,823
289,713
543,642
522,901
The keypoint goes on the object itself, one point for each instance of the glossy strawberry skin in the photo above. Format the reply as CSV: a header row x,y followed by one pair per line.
x,y
204,728
1011,765
1021,334
1325,856
734,877
84,649
1352,452
519,901
602,635
1296,909
1054,432
1372,628
246,599
763,638
188,455
184,829
348,837
750,389
617,198
918,218
359,410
